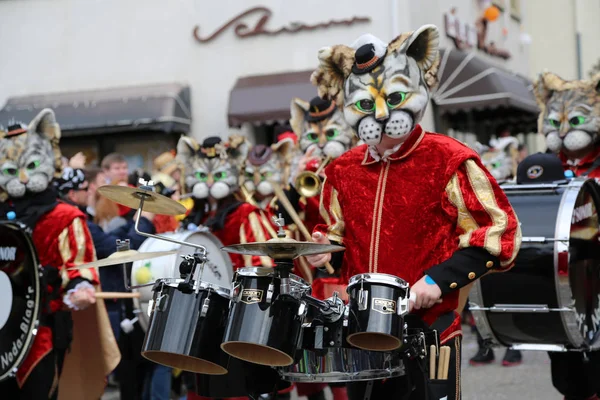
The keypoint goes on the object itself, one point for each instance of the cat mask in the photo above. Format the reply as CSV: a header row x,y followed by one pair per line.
x,y
383,89
266,164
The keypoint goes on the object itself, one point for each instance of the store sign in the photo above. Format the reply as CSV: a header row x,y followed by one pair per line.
x,y
467,36
243,29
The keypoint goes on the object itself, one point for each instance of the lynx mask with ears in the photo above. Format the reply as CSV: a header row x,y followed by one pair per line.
x,y
331,136
569,112
268,164
383,89
212,172
30,157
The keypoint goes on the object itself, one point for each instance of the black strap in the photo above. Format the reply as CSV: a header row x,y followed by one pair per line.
x,y
594,166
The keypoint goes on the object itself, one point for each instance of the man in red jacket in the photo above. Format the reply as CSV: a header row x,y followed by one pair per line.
x,y
409,203
570,121
60,235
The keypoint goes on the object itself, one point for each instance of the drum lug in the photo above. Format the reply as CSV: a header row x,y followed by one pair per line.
x,y
363,299
402,305
150,307
270,291
302,310
319,337
205,305
161,302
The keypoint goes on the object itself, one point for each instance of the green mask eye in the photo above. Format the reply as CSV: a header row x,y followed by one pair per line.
x,y
332,133
10,171
202,176
220,175
267,174
313,137
576,121
555,123
33,165
396,99
249,174
365,105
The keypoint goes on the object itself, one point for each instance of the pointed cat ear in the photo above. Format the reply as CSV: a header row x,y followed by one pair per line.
x,y
44,124
186,148
422,45
284,148
335,65
596,82
298,110
238,149
545,86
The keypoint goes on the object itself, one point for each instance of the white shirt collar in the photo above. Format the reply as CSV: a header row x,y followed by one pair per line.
x,y
375,154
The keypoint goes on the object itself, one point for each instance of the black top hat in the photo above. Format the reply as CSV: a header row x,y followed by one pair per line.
x,y
319,109
16,128
366,59
208,147
540,168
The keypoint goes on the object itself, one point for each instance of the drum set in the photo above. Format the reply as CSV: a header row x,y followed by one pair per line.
x,y
261,330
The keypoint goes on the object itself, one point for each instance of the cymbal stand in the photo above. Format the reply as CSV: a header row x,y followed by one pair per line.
x,y
187,269
123,245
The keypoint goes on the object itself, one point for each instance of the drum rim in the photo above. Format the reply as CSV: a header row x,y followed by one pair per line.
x,y
32,332
339,352
145,354
377,277
174,282
262,272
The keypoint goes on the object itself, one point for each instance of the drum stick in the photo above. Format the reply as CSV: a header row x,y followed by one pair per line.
x,y
446,362
116,295
432,355
441,361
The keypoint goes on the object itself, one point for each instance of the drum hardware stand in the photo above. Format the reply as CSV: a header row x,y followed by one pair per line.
x,y
520,308
187,269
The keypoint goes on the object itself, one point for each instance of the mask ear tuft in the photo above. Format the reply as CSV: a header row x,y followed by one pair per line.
x,y
298,110
335,65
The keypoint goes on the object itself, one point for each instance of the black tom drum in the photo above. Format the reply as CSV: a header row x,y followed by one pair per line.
x,y
378,303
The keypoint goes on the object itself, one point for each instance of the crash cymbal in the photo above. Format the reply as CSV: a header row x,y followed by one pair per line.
x,y
282,248
153,202
123,257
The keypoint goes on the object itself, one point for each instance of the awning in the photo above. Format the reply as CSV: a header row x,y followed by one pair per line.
x,y
470,83
267,98
160,107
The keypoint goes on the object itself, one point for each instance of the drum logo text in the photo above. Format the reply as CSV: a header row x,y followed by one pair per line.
x,y
8,253
251,296
383,306
582,212
8,358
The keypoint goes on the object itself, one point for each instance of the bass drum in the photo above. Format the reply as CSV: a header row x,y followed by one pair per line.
x,y
218,270
20,295
550,299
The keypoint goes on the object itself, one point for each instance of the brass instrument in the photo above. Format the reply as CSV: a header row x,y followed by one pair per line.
x,y
248,197
308,183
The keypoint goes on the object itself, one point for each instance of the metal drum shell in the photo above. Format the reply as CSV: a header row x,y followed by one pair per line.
x,y
261,331
378,327
179,336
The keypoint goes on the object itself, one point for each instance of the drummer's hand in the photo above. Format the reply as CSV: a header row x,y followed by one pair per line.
x,y
148,215
427,294
305,159
318,260
82,298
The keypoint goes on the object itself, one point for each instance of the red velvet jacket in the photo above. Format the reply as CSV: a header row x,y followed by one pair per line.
x,y
62,240
582,165
406,214
244,225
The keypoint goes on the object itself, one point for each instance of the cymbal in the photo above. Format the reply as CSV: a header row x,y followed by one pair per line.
x,y
153,202
278,248
123,257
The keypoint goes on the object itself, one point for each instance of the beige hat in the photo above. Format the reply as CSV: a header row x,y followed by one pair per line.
x,y
165,163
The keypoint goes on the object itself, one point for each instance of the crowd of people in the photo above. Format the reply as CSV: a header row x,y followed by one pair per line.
x,y
362,140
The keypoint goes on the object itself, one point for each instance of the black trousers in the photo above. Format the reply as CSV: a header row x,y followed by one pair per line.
x,y
576,375
42,382
415,384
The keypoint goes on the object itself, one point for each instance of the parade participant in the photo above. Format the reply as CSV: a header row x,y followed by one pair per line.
x,y
409,203
211,172
31,159
570,121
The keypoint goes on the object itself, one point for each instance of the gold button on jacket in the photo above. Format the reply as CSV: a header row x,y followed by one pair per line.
x,y
453,285
489,264
471,275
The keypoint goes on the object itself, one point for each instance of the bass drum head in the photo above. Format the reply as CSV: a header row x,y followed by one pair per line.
x,y
19,297
218,269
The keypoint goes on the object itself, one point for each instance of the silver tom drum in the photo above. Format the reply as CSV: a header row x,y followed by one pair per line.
x,y
550,299
218,269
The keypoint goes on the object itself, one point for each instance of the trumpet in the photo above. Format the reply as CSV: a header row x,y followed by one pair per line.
x,y
308,183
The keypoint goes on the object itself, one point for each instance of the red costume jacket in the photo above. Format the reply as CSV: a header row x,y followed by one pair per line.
x,y
413,211
582,165
62,240
244,225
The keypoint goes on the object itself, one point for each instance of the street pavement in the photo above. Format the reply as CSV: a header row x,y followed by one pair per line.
x,y
529,381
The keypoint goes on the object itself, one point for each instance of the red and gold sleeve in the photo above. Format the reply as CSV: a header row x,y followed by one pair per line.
x,y
255,230
76,247
331,214
488,232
